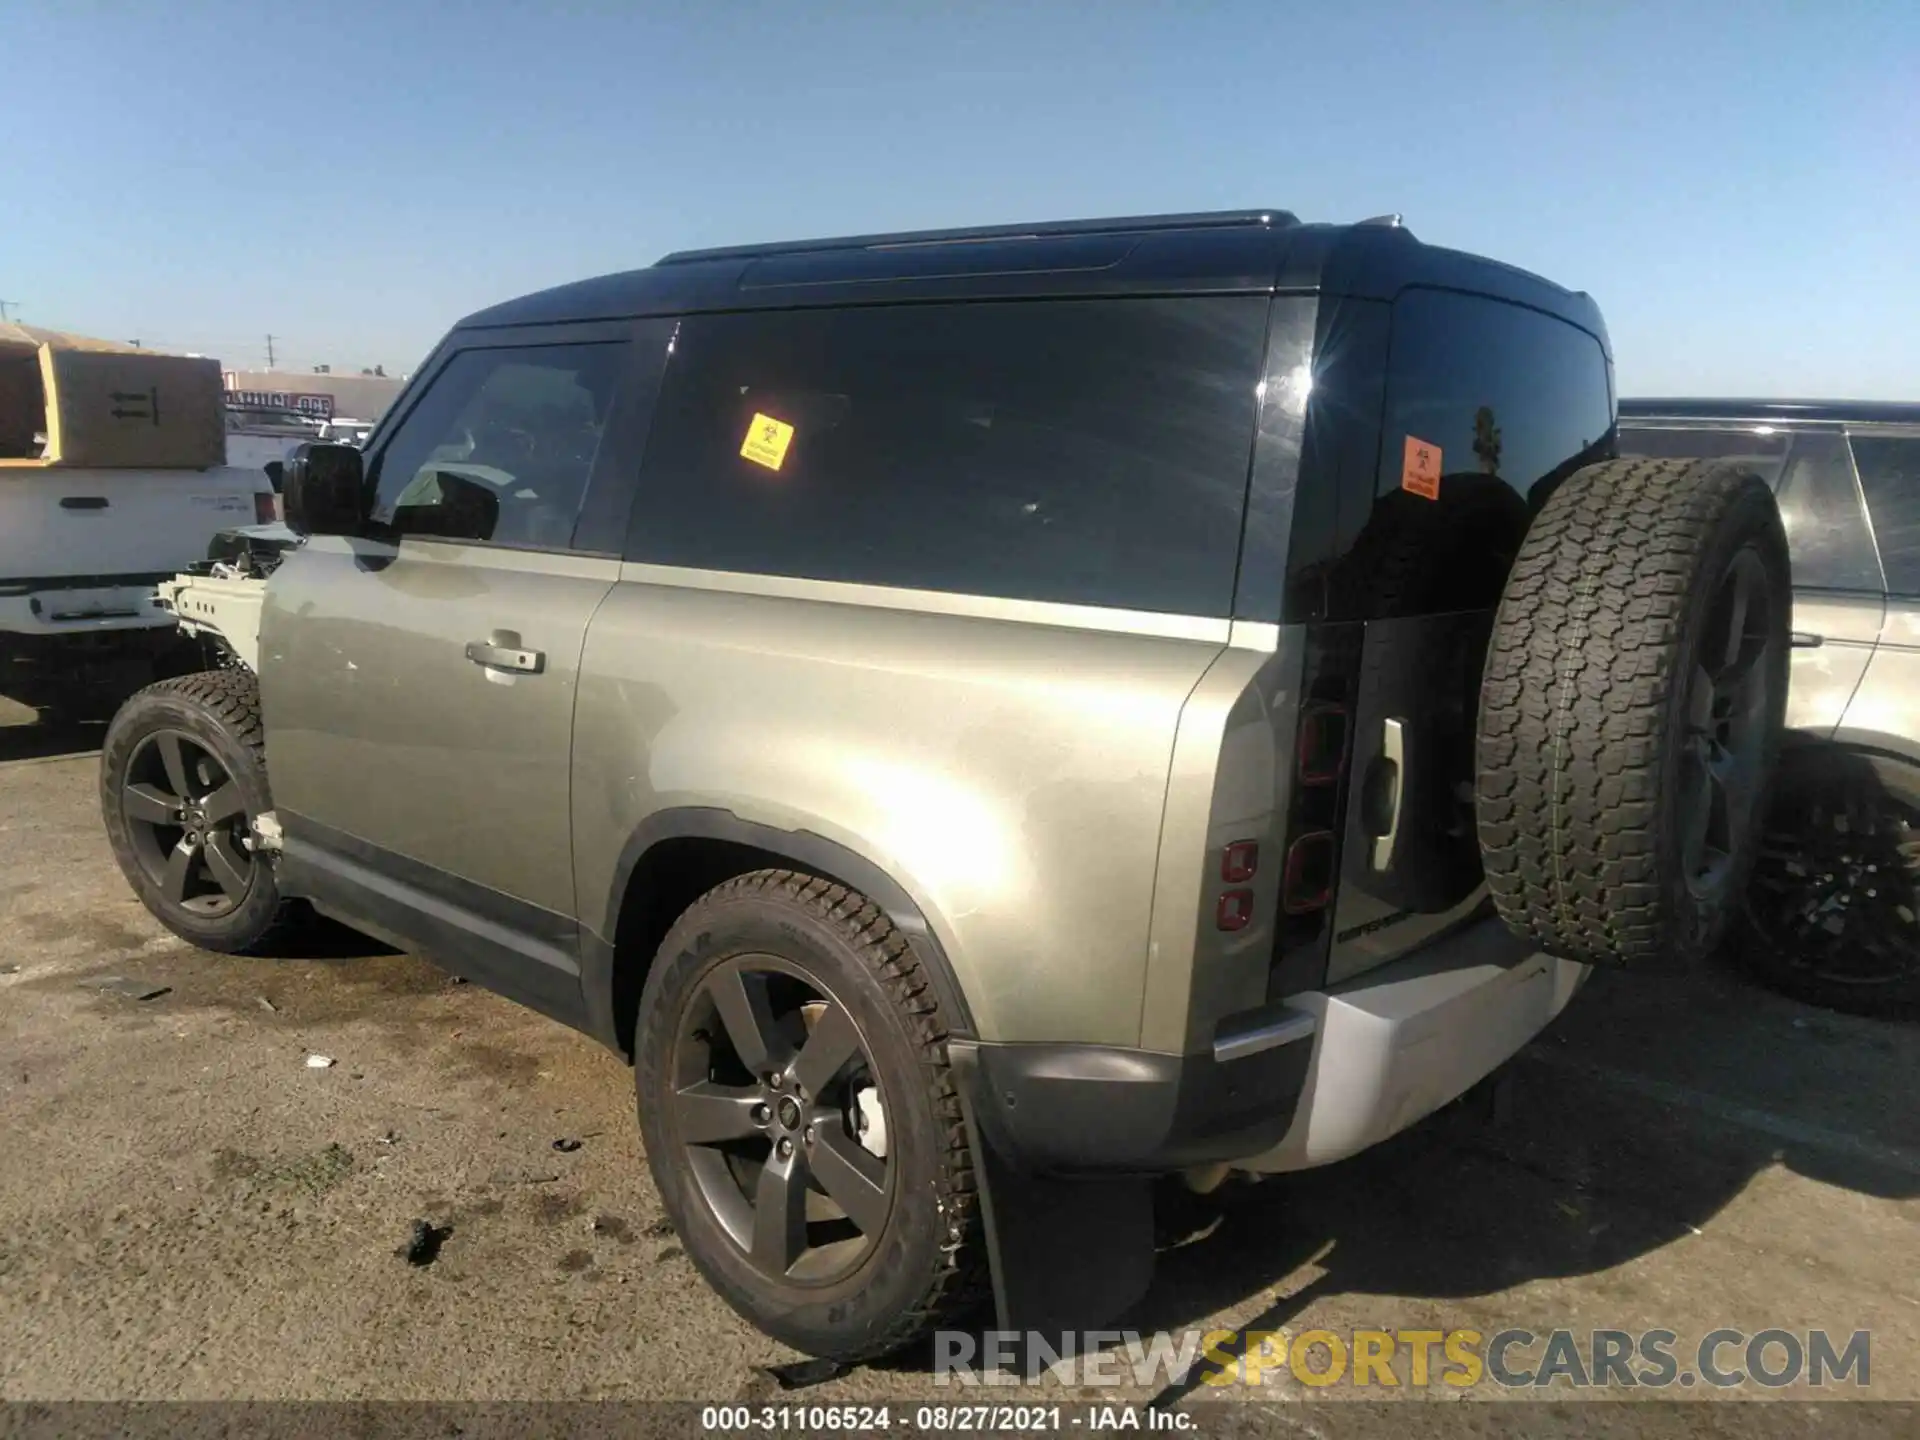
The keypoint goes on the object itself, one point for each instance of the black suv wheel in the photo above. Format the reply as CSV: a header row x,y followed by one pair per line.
x,y
1832,915
800,1119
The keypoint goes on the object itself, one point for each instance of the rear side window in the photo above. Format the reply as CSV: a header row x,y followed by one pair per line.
x,y
1092,452
1488,406
1763,448
1827,535
1890,475
501,446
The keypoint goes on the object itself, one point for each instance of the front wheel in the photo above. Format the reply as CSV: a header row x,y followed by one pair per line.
x,y
183,776
801,1121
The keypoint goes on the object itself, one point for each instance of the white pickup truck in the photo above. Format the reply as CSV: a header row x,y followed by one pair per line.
x,y
112,479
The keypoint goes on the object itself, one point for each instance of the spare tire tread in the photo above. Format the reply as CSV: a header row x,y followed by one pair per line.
x,y
1576,735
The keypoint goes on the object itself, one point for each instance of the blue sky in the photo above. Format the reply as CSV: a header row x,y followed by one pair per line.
x,y
1737,183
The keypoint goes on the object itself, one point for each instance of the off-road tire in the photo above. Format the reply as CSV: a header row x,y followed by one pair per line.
x,y
219,709
928,1269
1584,730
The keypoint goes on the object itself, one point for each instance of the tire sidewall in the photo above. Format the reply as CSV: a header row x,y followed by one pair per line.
x,y
1700,922
142,716
842,1317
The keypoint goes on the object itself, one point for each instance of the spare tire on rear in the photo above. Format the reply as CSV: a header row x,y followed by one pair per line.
x,y
1631,711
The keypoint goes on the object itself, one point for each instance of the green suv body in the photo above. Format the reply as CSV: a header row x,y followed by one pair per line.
x,y
1075,629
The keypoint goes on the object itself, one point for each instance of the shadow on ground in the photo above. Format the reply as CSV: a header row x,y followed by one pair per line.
x,y
1649,1107
24,738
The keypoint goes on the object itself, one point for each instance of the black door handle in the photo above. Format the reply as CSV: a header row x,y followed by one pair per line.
x,y
1806,640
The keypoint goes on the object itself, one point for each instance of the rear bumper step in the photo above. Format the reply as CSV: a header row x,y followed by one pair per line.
x,y
1307,1082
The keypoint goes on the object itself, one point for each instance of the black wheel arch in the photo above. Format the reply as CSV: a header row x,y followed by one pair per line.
x,y
676,855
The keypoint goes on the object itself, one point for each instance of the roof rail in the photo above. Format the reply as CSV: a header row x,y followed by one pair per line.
x,y
1204,220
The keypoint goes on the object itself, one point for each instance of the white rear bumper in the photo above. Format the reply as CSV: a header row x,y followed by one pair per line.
x,y
1392,1046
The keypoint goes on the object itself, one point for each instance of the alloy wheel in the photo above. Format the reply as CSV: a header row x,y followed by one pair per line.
x,y
188,824
1837,885
1729,697
779,1114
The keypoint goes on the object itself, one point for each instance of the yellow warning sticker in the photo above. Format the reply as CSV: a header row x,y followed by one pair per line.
x,y
767,441
1420,469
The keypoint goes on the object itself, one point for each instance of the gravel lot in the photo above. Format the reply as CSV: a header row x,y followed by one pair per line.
x,y
188,1210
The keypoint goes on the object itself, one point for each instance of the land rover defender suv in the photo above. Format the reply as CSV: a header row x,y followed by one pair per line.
x,y
986,719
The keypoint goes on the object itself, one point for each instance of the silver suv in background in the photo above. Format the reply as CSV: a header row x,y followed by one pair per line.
x,y
1831,914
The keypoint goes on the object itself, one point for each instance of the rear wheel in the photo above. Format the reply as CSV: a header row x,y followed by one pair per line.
x,y
800,1119
1631,711
1832,915
182,778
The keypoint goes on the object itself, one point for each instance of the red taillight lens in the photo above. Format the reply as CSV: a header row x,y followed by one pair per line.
x,y
1308,881
1323,743
1239,861
1235,910
266,507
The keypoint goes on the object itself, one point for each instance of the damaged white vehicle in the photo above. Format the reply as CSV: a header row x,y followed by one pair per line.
x,y
113,477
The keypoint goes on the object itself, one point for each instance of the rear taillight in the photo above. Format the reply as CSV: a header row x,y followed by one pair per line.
x,y
1322,762
1239,861
1235,910
266,507
1307,882
1323,743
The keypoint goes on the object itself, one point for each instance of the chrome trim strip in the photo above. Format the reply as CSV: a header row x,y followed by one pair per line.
x,y
1290,1026
937,602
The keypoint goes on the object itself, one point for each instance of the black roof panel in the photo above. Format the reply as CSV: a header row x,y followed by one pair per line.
x,y
1228,252
1113,225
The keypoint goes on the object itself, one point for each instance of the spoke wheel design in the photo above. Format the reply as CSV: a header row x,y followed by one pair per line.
x,y
1728,704
1836,892
187,822
781,1120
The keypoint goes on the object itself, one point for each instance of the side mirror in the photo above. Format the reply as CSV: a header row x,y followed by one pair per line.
x,y
323,489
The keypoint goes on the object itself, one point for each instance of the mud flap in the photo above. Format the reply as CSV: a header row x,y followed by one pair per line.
x,y
1067,1253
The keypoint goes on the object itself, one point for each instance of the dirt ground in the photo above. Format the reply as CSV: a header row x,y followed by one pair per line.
x,y
189,1210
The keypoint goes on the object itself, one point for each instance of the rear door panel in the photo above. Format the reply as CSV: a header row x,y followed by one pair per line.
x,y
1488,406
1410,858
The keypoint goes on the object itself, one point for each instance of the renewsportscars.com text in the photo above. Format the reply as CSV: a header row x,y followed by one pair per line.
x,y
1772,1358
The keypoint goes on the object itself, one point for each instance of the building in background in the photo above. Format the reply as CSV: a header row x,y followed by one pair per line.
x,y
320,394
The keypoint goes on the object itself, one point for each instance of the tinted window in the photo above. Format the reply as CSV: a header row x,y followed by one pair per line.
x,y
1827,532
1085,451
1890,475
1488,406
501,446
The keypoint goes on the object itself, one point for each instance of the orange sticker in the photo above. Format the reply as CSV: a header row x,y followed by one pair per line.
x,y
1420,469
